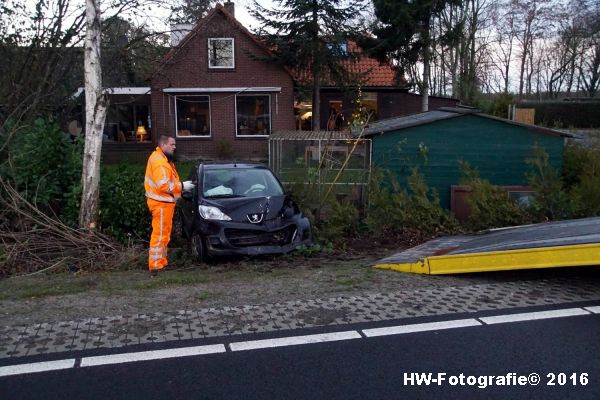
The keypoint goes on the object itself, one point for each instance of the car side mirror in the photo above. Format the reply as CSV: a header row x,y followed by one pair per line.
x,y
187,195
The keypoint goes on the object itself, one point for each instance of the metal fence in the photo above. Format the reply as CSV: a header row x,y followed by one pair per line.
x,y
332,161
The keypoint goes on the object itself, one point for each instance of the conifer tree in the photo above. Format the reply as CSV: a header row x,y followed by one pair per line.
x,y
308,36
402,34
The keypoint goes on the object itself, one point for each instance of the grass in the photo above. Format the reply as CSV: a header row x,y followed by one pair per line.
x,y
172,279
18,288
342,274
346,281
113,283
43,286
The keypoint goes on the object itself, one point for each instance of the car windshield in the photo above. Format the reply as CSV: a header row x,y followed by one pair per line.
x,y
240,182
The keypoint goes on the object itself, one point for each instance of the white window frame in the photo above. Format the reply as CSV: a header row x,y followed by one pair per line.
x,y
232,66
209,117
270,115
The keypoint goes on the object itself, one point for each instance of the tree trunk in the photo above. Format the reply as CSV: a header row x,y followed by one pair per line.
x,y
95,112
426,66
316,106
316,69
522,73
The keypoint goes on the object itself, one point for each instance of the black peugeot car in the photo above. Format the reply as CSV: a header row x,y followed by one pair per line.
x,y
240,209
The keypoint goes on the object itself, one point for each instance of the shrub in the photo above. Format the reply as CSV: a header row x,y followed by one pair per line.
x,y
497,105
575,158
340,220
332,220
45,167
490,205
123,211
384,200
550,200
396,209
586,193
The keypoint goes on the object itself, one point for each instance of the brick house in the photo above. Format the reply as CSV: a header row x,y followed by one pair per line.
x,y
217,93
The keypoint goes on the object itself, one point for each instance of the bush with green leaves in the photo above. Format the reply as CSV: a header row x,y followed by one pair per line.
x,y
332,220
497,104
44,165
550,200
339,220
575,158
585,192
123,213
490,205
392,208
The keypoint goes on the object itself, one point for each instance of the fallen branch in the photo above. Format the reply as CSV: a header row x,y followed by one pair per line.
x,y
36,242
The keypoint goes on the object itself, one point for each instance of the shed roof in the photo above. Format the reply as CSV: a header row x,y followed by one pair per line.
x,y
398,123
311,135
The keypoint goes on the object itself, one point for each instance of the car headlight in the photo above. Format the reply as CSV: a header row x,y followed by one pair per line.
x,y
208,212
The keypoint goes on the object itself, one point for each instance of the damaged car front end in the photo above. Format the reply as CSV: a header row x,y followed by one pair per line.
x,y
241,209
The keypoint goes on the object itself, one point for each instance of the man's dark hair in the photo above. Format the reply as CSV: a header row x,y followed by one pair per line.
x,y
162,139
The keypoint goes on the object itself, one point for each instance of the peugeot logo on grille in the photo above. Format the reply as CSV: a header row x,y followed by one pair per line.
x,y
255,218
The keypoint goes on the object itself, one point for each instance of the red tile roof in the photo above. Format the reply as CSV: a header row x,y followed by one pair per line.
x,y
367,71
371,71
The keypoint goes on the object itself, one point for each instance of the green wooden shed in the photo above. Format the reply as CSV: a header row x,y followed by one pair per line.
x,y
436,141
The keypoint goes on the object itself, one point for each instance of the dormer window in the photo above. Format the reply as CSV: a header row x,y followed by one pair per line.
x,y
339,49
220,53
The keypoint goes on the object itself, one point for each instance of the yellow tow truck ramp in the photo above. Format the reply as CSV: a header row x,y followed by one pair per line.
x,y
553,244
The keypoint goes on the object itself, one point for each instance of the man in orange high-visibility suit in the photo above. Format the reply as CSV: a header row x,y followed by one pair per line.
x,y
163,188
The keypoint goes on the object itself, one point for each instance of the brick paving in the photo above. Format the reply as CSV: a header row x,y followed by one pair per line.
x,y
120,331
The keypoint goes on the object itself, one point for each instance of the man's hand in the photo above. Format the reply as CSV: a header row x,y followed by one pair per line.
x,y
187,186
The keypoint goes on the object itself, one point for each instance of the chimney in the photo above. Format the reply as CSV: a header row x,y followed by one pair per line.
x,y
230,7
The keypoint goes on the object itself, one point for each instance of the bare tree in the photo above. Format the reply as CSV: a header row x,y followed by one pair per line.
x,y
506,33
38,55
589,59
533,20
461,40
96,103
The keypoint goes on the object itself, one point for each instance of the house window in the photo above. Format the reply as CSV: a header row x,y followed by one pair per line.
x,y
122,121
369,100
253,115
338,49
336,120
192,115
220,53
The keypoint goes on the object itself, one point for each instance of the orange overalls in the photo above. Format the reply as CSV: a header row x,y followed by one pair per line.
x,y
163,188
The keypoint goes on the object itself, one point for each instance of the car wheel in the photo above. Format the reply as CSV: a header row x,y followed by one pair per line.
x,y
198,248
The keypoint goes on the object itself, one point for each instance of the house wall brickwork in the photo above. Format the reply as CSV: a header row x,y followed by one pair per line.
x,y
188,68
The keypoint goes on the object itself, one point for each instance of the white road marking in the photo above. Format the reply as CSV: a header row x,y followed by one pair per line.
x,y
294,340
290,341
595,310
429,326
566,312
152,355
36,367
